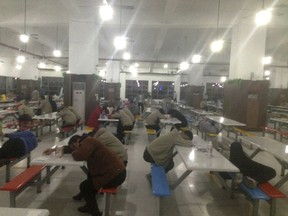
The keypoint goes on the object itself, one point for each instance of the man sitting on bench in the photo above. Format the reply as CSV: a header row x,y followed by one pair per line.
x,y
160,151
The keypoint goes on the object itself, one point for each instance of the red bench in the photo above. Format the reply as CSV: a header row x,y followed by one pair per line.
x,y
107,192
21,181
273,193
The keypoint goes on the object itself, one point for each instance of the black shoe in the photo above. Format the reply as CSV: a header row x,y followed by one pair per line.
x,y
86,209
77,197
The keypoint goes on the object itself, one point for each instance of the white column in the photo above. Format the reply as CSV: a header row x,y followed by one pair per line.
x,y
83,47
247,51
177,86
113,71
196,75
29,70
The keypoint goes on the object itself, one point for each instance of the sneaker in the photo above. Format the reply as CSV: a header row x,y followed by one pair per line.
x,y
77,197
249,182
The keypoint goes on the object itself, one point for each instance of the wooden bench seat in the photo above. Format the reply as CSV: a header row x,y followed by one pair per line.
x,y
21,181
108,192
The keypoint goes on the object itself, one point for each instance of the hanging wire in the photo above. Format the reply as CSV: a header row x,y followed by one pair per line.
x,y
25,16
218,17
120,16
57,37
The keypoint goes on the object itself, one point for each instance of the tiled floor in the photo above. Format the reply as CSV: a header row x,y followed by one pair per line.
x,y
199,195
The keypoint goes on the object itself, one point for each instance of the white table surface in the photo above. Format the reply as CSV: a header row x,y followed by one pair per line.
x,y
108,120
47,116
225,121
52,160
5,211
196,158
170,121
276,148
201,112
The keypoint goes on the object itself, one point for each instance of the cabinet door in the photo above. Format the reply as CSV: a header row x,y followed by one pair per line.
x,y
252,113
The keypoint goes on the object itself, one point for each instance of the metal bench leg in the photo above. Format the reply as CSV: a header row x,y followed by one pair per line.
x,y
107,204
13,199
272,207
255,207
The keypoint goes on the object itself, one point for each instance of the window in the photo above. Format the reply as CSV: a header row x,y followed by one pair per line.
x,y
183,88
135,87
52,85
162,89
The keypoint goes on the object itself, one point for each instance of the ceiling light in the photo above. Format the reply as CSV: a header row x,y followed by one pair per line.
x,y
267,73
102,73
24,38
57,53
20,59
267,60
223,79
126,56
263,17
68,71
41,65
136,64
165,66
217,45
267,78
57,68
196,59
120,42
184,65
18,67
106,12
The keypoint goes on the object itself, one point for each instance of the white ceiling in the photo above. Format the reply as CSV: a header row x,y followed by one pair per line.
x,y
160,31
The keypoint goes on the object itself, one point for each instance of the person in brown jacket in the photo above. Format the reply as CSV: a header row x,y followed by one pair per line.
x,y
105,169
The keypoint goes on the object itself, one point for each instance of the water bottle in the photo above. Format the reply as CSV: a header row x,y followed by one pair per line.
x,y
209,149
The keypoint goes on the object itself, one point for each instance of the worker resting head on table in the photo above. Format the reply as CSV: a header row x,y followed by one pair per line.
x,y
160,151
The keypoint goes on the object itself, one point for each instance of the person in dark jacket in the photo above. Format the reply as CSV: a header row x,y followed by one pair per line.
x,y
52,103
18,144
105,169
176,114
252,169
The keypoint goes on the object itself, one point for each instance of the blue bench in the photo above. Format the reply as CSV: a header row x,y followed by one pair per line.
x,y
160,186
265,192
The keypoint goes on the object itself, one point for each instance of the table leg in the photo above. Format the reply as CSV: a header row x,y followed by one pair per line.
x,y
281,181
179,180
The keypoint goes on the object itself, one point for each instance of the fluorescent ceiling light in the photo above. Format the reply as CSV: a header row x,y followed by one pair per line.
x,y
136,64
165,66
120,42
217,45
24,38
57,53
57,68
184,65
223,79
263,17
20,59
42,65
18,67
126,56
106,12
196,59
267,73
267,60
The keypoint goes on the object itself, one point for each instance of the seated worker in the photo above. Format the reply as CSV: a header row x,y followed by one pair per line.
x,y
72,109
129,113
105,169
249,168
52,103
68,117
93,121
25,112
160,151
176,114
153,120
133,108
18,144
44,106
125,123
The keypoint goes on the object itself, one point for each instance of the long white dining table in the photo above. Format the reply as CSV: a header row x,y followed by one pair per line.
x,y
277,149
225,123
5,211
196,159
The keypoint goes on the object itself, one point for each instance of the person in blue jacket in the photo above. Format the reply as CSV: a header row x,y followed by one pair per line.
x,y
18,145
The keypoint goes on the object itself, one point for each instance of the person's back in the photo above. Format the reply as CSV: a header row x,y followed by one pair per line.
x,y
25,113
123,117
129,113
94,116
154,117
112,142
67,116
45,106
74,111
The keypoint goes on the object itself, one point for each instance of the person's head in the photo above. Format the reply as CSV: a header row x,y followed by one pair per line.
x,y
74,141
187,135
42,97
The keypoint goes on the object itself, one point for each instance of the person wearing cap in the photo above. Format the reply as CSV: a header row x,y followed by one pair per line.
x,y
160,151
153,120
